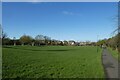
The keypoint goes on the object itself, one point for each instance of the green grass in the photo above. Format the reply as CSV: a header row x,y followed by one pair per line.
x,y
113,52
52,62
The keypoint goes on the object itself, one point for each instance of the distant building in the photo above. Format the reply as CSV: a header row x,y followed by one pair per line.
x,y
87,43
82,44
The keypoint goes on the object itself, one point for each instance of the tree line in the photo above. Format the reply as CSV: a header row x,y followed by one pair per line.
x,y
39,40
113,42
28,40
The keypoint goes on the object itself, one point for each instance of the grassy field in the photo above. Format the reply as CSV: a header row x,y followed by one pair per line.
x,y
52,62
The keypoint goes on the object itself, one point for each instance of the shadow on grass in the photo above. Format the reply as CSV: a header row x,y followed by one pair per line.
x,y
51,50
59,50
7,47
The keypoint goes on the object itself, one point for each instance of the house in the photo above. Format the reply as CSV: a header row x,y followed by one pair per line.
x,y
82,43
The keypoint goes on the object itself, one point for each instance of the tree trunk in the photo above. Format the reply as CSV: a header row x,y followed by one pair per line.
x,y
32,43
14,44
22,44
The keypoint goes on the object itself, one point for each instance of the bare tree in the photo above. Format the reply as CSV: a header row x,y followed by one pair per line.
x,y
25,39
47,40
40,39
0,34
14,40
4,35
65,42
5,39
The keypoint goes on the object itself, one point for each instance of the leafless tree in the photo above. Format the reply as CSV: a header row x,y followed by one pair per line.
x,y
25,39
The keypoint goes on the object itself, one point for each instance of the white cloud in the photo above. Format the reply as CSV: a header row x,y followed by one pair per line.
x,y
71,13
67,13
37,1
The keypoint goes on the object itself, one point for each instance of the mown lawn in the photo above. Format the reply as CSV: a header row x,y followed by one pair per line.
x,y
52,62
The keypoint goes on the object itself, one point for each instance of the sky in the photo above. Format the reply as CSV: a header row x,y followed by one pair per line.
x,y
60,0
0,12
79,21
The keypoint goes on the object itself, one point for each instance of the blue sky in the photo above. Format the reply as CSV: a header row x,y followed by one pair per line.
x,y
60,20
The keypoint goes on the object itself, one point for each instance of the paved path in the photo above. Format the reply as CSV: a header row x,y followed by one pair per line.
x,y
110,64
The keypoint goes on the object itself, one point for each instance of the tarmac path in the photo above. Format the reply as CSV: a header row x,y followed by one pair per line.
x,y
110,64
